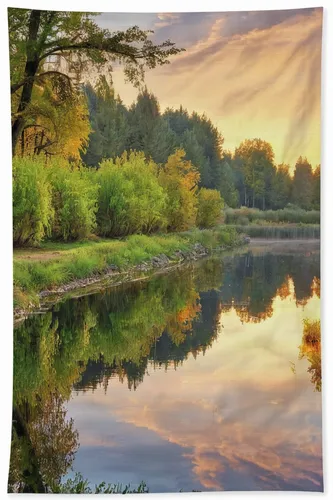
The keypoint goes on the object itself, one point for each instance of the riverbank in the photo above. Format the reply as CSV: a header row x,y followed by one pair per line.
x,y
45,275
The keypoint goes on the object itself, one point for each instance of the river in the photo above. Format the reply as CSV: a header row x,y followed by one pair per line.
x,y
194,380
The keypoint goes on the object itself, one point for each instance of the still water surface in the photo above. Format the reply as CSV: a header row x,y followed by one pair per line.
x,y
191,381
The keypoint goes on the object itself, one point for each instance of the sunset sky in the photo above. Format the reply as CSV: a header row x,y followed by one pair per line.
x,y
255,74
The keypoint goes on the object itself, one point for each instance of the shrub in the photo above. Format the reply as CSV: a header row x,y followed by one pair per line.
x,y
32,207
210,205
130,197
75,203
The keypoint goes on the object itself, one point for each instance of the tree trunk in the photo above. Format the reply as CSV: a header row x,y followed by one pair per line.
x,y
263,202
30,70
253,199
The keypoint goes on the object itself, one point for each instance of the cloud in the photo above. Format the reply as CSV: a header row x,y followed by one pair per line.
x,y
218,422
255,74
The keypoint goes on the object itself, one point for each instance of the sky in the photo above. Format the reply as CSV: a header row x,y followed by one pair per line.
x,y
254,74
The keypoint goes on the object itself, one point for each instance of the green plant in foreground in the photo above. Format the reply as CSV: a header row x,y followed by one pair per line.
x,y
81,485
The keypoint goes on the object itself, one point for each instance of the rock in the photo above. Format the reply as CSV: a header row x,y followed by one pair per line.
x,y
160,260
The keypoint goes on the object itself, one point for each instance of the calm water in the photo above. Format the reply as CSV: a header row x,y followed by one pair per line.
x,y
192,381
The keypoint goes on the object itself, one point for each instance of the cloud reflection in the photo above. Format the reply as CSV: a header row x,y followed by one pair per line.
x,y
234,419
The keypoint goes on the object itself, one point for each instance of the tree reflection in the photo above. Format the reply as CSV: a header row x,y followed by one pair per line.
x,y
125,332
44,442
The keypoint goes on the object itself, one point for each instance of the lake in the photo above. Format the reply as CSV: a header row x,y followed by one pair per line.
x,y
193,380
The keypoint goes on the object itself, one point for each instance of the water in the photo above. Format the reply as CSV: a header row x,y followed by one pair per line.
x,y
191,381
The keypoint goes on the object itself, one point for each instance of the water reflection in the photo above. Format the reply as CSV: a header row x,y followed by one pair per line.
x,y
206,354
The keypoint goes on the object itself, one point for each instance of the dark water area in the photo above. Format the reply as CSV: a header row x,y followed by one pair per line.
x,y
192,381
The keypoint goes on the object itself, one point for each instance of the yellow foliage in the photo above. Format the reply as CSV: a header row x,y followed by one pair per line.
x,y
53,127
180,180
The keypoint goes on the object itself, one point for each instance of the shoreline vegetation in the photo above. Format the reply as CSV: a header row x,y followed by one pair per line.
x,y
44,275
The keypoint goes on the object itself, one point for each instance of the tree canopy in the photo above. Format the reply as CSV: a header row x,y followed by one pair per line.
x,y
56,47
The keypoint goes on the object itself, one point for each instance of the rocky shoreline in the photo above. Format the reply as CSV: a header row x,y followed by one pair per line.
x,y
113,276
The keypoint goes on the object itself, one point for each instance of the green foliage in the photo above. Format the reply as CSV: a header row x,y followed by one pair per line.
x,y
80,485
94,258
37,35
302,188
179,178
227,185
281,187
109,124
210,206
256,158
130,197
32,202
74,200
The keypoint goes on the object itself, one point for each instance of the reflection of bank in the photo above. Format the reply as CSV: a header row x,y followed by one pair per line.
x,y
129,333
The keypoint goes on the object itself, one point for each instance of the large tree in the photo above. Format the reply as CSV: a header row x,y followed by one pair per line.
x,y
43,43
257,159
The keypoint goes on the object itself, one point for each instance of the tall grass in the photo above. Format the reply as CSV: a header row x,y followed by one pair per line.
x,y
245,216
309,231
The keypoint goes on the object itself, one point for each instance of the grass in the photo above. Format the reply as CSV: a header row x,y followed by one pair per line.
x,y
245,216
55,264
281,231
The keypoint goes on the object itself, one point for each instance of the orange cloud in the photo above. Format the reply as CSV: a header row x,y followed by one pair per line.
x,y
263,83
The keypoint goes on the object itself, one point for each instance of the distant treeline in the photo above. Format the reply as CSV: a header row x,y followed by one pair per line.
x,y
248,177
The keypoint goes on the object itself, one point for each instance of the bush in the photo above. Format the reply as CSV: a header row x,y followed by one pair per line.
x,y
32,207
210,205
130,197
75,202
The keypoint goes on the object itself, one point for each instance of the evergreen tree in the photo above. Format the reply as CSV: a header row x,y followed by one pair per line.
x,y
109,122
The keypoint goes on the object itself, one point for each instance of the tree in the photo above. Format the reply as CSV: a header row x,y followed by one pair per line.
x,y
201,141
148,132
227,185
257,162
210,206
281,187
130,197
58,46
302,186
53,125
180,179
109,123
